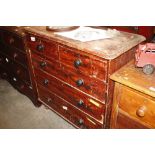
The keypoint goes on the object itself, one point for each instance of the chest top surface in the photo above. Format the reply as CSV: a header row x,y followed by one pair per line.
x,y
134,77
105,48
18,30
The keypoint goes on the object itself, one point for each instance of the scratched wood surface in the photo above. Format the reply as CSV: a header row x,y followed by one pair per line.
x,y
105,48
134,77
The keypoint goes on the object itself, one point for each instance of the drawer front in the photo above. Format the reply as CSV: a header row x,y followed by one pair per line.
x,y
75,60
13,40
70,113
124,122
52,67
75,97
20,85
87,84
5,62
138,106
20,72
43,48
84,102
16,55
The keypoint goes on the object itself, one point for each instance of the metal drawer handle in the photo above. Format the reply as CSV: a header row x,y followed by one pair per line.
x,y
141,111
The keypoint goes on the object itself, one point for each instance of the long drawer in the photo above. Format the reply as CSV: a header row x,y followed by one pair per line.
x,y
63,108
82,101
87,84
13,40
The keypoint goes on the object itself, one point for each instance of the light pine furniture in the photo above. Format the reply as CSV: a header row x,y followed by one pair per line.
x,y
134,98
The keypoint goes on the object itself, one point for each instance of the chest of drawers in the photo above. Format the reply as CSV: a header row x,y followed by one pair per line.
x,y
13,60
134,99
72,78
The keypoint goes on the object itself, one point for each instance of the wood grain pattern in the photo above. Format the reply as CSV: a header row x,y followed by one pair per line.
x,y
132,105
13,59
79,74
73,115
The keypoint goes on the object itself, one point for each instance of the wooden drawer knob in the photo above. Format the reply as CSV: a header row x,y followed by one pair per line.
x,y
49,100
77,63
80,103
18,72
80,121
40,48
45,82
11,41
15,55
141,111
79,82
42,64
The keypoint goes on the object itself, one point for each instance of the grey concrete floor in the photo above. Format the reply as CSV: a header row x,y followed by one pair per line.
x,y
18,112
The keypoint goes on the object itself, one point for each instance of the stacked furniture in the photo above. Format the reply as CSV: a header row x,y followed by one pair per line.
x,y
13,60
134,98
72,77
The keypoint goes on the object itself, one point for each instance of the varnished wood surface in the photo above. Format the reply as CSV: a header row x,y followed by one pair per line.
x,y
17,30
134,77
53,69
105,48
137,105
13,59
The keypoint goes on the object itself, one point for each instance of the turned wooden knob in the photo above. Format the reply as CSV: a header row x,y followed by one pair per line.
x,y
15,55
141,111
11,41
18,72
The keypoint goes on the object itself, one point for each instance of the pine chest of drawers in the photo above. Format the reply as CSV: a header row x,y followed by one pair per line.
x,y
134,99
72,77
13,59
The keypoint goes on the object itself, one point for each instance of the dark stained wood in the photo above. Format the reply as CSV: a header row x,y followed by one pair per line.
x,y
99,69
90,84
12,39
13,60
49,50
73,115
70,56
75,71
14,54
